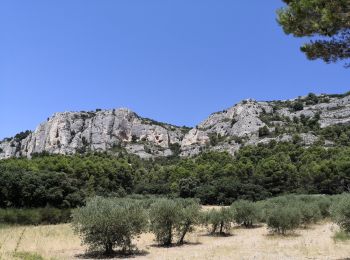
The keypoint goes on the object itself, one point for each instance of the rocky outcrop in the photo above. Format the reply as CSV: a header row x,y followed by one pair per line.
x,y
241,124
247,123
72,132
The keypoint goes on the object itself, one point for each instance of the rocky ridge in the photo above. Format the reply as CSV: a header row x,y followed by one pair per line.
x,y
249,122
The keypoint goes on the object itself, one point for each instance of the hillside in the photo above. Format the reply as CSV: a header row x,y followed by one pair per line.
x,y
305,120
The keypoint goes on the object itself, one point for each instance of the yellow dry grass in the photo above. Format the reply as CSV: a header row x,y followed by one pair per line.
x,y
59,242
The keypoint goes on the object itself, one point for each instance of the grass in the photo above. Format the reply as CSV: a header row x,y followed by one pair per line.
x,y
59,242
341,236
27,256
19,240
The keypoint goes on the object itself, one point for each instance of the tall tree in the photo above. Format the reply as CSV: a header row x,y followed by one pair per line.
x,y
326,21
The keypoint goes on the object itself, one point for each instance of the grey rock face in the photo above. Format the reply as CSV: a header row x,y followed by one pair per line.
x,y
241,120
228,130
71,132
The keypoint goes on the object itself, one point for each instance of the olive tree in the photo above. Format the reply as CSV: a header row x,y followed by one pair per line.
x,y
190,216
340,213
324,204
107,223
164,218
281,219
218,221
173,218
245,212
310,213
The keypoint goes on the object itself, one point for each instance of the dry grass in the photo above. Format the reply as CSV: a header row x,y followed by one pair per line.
x,y
59,242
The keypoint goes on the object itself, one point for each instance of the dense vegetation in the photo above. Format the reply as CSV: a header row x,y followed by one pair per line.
x,y
47,215
255,173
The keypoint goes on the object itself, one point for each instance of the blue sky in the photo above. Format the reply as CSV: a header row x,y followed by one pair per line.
x,y
173,61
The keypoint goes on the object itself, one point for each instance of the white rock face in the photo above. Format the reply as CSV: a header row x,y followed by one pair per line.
x,y
241,120
71,132
228,130
195,136
244,121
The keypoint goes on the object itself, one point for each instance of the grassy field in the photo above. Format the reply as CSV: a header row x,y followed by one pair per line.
x,y
59,242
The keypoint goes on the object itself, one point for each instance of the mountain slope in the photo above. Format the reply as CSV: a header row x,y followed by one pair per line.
x,y
248,122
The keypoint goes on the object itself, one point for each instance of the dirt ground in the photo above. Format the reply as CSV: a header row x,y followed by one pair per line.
x,y
59,242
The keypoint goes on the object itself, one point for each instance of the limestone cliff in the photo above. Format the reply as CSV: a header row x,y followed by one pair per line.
x,y
248,122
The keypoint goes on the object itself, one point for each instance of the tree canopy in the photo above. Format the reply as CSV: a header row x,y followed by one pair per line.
x,y
254,173
327,22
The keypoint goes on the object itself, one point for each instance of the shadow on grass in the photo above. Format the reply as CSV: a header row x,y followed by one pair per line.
x,y
248,228
311,226
217,235
116,254
177,245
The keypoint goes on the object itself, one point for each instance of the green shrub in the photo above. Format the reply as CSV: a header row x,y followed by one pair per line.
x,y
266,206
341,236
309,212
20,216
190,216
262,209
219,221
173,218
28,217
312,208
298,106
340,213
8,216
245,212
264,131
106,224
164,218
37,216
324,204
27,256
54,216
282,219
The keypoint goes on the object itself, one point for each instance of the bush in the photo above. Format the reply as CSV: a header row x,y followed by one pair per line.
x,y
245,212
22,135
341,236
190,216
298,106
54,216
106,223
324,204
340,213
37,216
164,218
266,206
28,217
219,221
312,208
282,219
170,218
27,256
310,213
264,131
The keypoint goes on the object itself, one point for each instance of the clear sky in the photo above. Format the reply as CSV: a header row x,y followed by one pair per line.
x,y
173,61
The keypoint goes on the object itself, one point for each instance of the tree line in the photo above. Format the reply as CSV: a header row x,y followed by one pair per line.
x,y
255,173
